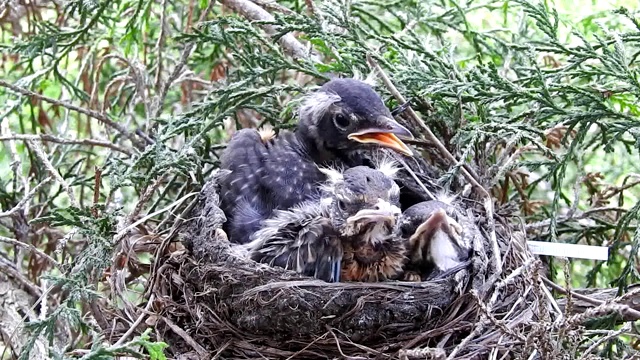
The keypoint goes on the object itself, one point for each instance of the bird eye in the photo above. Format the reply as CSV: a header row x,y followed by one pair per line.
x,y
341,121
342,205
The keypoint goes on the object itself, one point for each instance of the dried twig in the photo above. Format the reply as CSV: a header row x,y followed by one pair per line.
x,y
37,148
468,173
32,248
135,324
26,199
91,113
177,70
251,11
610,335
58,140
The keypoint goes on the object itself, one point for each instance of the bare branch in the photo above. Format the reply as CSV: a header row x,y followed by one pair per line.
x,y
466,170
251,11
58,140
585,299
91,113
37,148
159,100
25,200
30,247
273,5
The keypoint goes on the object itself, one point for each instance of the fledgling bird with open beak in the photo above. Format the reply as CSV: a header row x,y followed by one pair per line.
x,y
438,237
346,235
270,173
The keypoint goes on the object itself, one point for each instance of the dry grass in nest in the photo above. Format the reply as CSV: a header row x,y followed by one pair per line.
x,y
207,300
212,301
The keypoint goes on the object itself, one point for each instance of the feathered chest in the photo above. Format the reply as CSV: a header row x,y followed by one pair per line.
x,y
376,255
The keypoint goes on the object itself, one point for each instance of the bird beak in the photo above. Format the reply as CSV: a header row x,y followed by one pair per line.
x,y
385,135
384,212
431,225
438,221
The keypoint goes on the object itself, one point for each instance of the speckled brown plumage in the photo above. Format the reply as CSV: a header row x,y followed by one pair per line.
x,y
372,262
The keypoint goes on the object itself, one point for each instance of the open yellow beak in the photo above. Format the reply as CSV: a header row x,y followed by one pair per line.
x,y
385,133
383,139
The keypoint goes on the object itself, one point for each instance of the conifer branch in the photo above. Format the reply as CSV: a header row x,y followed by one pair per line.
x,y
91,113
59,140
253,12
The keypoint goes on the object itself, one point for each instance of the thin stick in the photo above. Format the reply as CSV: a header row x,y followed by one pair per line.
x,y
159,44
466,170
32,248
415,177
91,113
136,323
123,232
251,11
37,148
177,70
26,199
611,334
58,140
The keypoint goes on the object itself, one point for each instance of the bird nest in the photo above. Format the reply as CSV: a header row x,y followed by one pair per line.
x,y
215,302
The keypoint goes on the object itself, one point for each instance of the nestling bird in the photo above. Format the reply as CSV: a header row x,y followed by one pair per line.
x,y
438,238
269,173
346,235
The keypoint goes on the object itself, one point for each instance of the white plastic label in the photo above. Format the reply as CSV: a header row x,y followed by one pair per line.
x,y
569,250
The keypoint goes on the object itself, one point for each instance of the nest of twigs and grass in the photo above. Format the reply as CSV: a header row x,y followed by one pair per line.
x,y
209,299
115,113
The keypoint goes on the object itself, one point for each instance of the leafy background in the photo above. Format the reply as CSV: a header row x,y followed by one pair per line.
x,y
113,113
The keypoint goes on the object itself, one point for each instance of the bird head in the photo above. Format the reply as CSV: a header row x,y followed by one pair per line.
x,y
422,219
434,235
347,113
362,199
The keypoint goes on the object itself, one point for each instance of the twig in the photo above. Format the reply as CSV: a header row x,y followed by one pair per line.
x,y
187,338
15,159
603,310
273,5
498,323
160,43
136,323
466,170
576,216
480,325
144,198
37,148
159,100
415,177
58,140
91,113
43,304
10,270
611,334
251,11
123,232
32,248
96,186
26,199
